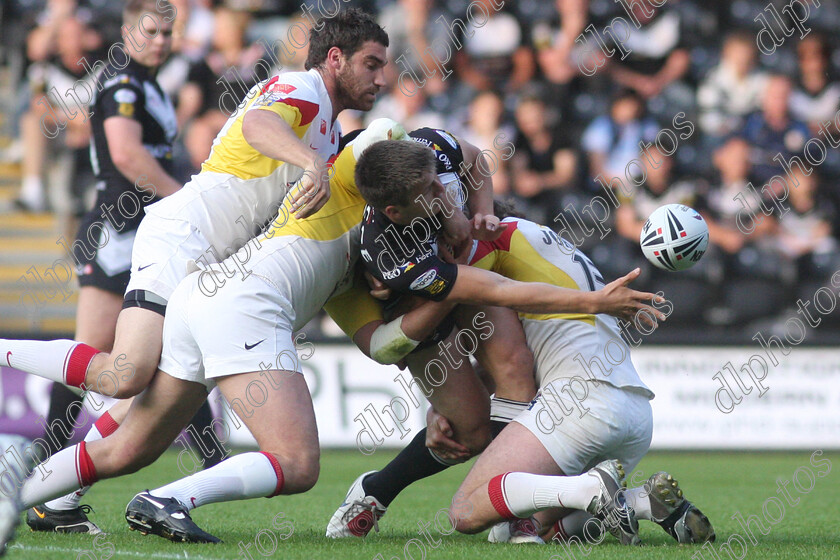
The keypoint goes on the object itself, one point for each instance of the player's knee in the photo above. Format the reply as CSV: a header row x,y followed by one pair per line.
x,y
300,469
308,469
129,388
477,439
463,520
129,457
515,377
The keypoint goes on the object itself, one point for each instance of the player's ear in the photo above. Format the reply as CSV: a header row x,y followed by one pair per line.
x,y
335,57
393,213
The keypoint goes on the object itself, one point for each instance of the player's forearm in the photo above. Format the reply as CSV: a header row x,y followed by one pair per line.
x,y
391,342
536,297
143,164
270,135
481,287
421,321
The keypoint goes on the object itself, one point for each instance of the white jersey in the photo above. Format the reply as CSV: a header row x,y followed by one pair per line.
x,y
238,187
564,344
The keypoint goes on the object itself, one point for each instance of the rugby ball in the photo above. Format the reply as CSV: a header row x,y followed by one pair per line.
x,y
674,237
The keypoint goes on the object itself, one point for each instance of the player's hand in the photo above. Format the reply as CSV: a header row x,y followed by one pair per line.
x,y
377,289
439,436
457,229
311,191
445,252
618,300
486,227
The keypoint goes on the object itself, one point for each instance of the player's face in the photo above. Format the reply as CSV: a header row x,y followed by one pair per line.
x,y
152,47
362,76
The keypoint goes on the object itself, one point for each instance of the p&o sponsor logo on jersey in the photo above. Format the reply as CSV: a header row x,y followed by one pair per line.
x,y
424,280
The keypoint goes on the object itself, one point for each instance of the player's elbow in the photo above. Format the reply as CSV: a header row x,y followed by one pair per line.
x,y
123,159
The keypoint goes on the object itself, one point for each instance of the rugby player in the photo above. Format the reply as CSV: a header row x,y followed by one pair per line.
x,y
398,249
565,346
281,135
297,267
460,167
133,126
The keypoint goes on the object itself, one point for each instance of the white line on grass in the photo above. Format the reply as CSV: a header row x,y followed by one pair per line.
x,y
116,552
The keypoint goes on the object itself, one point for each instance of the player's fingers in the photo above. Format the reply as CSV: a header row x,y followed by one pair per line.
x,y
646,296
315,203
639,306
627,278
648,315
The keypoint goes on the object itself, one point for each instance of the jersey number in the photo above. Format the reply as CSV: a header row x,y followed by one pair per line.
x,y
589,270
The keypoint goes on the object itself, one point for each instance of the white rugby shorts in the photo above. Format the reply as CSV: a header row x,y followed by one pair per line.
x,y
615,424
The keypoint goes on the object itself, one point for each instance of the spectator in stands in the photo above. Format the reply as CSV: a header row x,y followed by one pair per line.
x,y
657,189
657,59
56,130
554,41
611,141
732,162
412,28
217,83
544,162
816,96
498,54
732,89
804,234
773,131
412,111
486,130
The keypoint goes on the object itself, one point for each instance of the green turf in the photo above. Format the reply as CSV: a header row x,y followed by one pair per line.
x,y
721,484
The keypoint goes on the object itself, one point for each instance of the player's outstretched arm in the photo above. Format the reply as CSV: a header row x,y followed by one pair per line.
x,y
482,287
268,133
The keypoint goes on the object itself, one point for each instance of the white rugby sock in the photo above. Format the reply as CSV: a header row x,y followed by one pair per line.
x,y
244,476
518,494
71,500
639,500
70,468
51,359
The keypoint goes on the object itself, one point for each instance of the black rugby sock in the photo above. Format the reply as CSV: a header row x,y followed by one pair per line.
x,y
414,462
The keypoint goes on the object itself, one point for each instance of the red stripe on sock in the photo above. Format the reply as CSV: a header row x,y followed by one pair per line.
x,y
85,471
77,364
278,470
495,488
106,424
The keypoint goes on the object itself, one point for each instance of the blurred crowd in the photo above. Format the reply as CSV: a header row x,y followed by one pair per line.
x,y
513,87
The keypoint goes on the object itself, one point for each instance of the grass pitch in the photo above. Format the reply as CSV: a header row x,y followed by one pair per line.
x,y
721,484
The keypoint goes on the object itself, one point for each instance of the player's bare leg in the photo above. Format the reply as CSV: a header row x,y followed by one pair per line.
x,y
448,381
121,373
516,477
504,353
287,463
96,320
504,357
154,420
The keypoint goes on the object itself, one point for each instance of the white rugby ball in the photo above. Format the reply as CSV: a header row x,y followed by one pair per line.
x,y
674,237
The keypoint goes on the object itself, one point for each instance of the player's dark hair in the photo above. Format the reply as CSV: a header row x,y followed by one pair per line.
x,y
390,170
506,209
348,31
